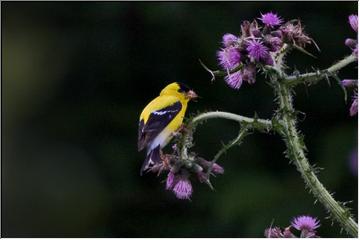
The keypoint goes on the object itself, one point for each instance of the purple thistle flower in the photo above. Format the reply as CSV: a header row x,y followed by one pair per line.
x,y
270,19
269,60
354,106
273,232
307,223
170,180
245,29
249,73
288,234
234,80
217,169
256,33
277,34
288,30
273,43
183,188
229,57
351,43
349,83
257,50
202,177
293,33
353,20
228,39
307,234
355,51
250,29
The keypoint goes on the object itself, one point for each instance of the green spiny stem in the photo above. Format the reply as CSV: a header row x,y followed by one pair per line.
x,y
285,124
260,124
187,137
246,123
242,134
314,77
296,153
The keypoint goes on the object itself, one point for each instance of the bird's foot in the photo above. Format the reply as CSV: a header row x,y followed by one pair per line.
x,y
165,159
161,166
176,134
182,129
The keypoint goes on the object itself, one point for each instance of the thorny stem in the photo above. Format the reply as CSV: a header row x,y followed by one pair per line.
x,y
243,132
285,124
245,123
261,124
186,143
314,77
296,153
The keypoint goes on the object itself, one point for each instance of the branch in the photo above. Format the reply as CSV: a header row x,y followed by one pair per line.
x,y
243,132
314,77
246,123
187,137
296,153
219,73
260,124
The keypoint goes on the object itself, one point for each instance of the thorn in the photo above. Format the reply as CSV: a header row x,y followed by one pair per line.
x,y
208,70
212,174
317,47
271,224
328,80
303,51
210,185
160,170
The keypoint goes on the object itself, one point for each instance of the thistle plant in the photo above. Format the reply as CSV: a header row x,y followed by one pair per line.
x,y
304,225
261,48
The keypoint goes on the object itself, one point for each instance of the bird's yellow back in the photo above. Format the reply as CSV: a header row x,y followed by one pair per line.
x,y
168,96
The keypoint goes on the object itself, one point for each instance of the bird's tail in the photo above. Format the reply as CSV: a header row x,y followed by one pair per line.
x,y
152,157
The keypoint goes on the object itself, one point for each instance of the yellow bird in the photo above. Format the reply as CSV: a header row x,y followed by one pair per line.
x,y
160,119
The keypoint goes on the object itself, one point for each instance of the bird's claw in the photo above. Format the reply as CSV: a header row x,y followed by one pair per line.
x,y
180,130
165,159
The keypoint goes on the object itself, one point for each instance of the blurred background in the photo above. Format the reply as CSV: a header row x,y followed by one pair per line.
x,y
75,79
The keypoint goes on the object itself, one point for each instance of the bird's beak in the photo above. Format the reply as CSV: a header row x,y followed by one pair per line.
x,y
192,95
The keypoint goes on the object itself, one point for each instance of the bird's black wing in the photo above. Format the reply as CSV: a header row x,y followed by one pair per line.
x,y
157,121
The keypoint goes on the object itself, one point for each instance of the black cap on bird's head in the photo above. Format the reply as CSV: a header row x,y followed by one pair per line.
x,y
190,94
179,89
183,87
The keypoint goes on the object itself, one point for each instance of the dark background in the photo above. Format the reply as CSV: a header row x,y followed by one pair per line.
x,y
75,79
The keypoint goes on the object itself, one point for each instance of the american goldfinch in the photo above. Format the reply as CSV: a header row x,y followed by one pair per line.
x,y
160,119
